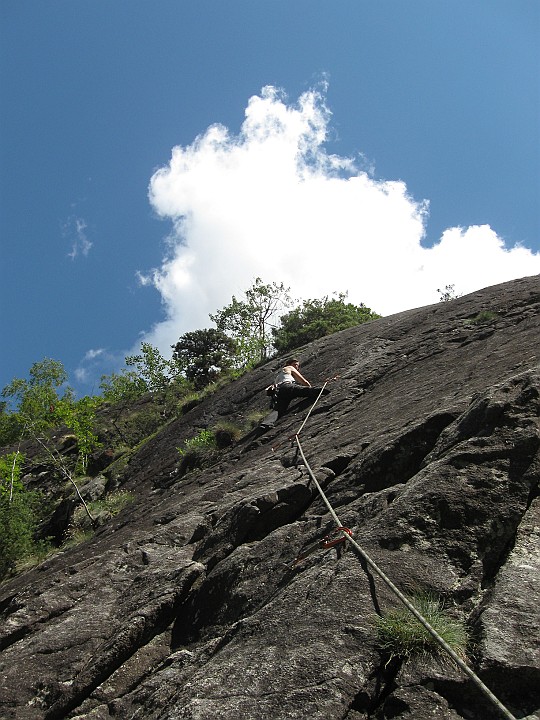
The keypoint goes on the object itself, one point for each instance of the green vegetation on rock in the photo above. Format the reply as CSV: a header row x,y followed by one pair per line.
x,y
402,635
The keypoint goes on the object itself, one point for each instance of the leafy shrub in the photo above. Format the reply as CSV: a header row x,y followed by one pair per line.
x,y
205,440
402,635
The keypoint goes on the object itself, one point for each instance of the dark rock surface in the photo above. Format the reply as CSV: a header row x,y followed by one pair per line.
x,y
188,604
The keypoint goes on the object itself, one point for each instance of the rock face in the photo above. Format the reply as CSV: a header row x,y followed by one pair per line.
x,y
189,603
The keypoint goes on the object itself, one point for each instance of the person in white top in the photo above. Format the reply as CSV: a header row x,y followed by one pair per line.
x,y
291,373
290,384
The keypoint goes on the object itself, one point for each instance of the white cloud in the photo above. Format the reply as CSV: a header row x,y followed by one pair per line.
x,y
75,229
270,202
93,354
81,375
94,364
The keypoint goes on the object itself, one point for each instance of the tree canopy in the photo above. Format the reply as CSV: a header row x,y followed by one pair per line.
x,y
203,355
249,322
38,397
316,318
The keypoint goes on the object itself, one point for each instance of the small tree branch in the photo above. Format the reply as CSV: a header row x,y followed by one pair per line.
x,y
57,460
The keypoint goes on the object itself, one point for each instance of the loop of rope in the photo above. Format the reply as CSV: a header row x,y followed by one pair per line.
x,y
434,634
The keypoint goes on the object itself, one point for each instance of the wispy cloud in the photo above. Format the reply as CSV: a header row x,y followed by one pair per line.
x,y
272,202
93,354
75,229
95,363
81,375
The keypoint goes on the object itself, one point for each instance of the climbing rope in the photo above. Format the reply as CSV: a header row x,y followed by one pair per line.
x,y
311,408
346,535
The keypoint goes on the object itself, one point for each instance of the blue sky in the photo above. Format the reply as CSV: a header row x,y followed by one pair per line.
x,y
381,147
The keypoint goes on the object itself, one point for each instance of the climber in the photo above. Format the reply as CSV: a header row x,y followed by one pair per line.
x,y
290,384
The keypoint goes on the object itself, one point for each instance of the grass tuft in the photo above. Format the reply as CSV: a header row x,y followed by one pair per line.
x,y
198,452
402,635
226,434
254,418
102,510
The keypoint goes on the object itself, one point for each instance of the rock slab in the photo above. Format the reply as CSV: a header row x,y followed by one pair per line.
x,y
190,604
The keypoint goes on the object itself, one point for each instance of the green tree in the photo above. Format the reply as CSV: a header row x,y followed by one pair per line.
x,y
155,371
37,397
18,514
123,386
249,321
10,425
203,355
41,407
449,293
316,318
10,474
80,418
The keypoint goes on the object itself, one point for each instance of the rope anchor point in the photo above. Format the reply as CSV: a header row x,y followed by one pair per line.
x,y
337,536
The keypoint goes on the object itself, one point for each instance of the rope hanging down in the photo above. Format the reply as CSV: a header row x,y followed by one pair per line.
x,y
421,619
